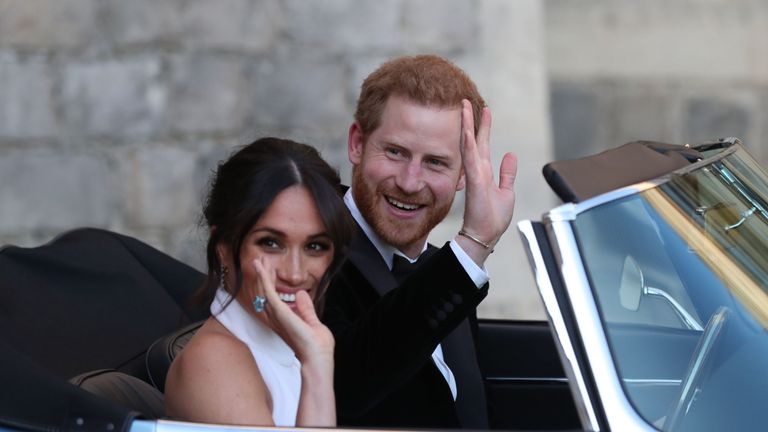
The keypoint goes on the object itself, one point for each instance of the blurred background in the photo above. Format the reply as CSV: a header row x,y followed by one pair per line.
x,y
113,113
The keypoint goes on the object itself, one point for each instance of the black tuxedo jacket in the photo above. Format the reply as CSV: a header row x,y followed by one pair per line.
x,y
385,335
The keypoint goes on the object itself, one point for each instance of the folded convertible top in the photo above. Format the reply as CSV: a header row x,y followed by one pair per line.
x,y
579,179
92,299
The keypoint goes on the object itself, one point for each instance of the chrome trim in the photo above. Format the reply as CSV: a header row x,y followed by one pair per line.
x,y
569,211
180,426
653,382
685,317
143,426
528,380
565,212
619,413
573,371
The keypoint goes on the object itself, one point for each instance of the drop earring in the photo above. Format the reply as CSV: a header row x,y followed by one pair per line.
x,y
223,277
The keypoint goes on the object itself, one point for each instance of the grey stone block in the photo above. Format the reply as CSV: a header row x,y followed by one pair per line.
x,y
188,244
46,24
444,26
641,112
575,119
114,97
305,93
710,118
345,25
657,38
247,25
48,190
207,94
157,186
206,164
143,21
25,98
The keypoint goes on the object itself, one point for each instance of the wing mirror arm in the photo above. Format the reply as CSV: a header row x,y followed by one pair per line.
x,y
633,287
685,317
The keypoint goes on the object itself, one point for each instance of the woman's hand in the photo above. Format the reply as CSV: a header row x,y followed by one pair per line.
x,y
302,330
312,343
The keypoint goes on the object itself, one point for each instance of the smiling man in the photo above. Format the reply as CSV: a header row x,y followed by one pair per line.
x,y
401,310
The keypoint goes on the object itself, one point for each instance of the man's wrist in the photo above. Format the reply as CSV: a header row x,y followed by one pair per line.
x,y
474,270
477,252
485,245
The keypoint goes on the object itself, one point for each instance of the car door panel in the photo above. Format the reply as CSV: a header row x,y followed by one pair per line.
x,y
525,381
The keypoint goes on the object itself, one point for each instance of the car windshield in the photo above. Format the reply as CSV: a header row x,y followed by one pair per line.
x,y
679,272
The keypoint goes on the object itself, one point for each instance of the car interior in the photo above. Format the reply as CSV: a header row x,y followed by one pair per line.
x,y
99,311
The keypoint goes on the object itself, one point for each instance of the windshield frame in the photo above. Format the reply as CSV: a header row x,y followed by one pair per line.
x,y
620,414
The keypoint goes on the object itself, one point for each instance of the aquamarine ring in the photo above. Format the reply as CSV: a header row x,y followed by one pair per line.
x,y
259,303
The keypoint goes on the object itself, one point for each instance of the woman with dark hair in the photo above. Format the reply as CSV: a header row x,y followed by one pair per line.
x,y
278,232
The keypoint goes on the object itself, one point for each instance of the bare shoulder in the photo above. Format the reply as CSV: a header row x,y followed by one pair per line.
x,y
213,343
216,379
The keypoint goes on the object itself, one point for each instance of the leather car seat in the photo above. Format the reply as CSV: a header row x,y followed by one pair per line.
x,y
161,353
124,389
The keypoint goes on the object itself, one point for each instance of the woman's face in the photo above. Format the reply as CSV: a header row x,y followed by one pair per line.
x,y
293,238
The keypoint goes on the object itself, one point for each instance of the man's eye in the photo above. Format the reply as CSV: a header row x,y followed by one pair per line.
x,y
435,162
394,151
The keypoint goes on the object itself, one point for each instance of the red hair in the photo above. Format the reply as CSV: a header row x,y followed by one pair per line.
x,y
429,80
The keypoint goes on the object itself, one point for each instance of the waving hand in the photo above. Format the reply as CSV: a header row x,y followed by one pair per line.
x,y
488,206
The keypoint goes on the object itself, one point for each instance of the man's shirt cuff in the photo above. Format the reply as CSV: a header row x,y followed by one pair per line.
x,y
478,275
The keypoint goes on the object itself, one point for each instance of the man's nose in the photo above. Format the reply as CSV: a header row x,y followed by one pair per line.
x,y
410,178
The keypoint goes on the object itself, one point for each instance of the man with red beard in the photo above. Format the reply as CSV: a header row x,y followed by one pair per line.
x,y
405,353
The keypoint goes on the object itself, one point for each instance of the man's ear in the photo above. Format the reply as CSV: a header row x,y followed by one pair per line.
x,y
355,144
462,181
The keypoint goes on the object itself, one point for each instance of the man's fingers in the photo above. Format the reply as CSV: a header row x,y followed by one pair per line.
x,y
484,135
467,117
508,171
468,143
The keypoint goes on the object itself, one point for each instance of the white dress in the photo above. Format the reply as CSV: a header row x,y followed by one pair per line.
x,y
279,367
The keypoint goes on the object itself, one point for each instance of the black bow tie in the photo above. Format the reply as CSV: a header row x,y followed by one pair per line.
x,y
402,267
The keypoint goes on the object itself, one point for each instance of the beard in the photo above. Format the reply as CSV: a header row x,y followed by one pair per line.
x,y
402,234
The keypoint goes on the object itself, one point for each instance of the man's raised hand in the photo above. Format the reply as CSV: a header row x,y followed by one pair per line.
x,y
488,207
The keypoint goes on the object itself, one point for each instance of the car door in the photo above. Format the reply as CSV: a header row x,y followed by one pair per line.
x,y
525,382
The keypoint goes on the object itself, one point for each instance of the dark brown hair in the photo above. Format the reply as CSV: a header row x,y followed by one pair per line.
x,y
244,186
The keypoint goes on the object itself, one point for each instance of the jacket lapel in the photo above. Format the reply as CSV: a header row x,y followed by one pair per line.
x,y
364,255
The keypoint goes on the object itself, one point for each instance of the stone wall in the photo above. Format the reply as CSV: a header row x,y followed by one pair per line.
x,y
681,71
113,113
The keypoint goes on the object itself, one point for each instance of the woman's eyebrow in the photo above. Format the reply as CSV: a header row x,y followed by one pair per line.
x,y
277,232
268,229
323,234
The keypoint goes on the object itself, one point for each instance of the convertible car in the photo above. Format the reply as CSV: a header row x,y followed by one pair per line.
x,y
653,274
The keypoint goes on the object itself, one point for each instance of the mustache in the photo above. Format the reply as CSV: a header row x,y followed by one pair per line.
x,y
423,197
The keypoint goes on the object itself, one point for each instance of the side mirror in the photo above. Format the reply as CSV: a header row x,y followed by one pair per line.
x,y
632,288
632,284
